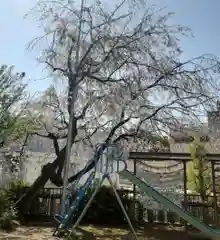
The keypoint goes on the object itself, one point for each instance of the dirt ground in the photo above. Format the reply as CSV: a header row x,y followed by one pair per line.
x,y
97,233
28,233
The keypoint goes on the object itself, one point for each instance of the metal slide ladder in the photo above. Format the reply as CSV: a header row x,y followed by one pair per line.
x,y
145,188
64,221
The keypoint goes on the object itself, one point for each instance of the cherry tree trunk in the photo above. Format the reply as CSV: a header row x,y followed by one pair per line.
x,y
48,171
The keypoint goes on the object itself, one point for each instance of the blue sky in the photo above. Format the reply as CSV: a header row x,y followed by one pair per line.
x,y
201,16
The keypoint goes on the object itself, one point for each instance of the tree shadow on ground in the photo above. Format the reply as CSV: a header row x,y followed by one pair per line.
x,y
162,233
104,235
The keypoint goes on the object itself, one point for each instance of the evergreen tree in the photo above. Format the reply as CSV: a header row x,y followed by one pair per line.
x,y
199,170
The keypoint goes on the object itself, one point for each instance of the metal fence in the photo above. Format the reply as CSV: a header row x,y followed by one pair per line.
x,y
47,204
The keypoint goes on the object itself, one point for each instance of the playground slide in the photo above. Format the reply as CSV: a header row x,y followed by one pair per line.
x,y
170,205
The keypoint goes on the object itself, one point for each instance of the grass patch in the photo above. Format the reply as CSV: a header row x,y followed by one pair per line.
x,y
105,233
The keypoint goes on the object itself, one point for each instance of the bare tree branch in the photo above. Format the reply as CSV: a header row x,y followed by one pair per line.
x,y
129,77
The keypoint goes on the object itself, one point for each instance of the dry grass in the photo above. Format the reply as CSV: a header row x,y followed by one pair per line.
x,y
39,233
105,233
89,233
28,233
97,233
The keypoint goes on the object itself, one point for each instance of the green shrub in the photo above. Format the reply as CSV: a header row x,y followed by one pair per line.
x,y
6,214
105,208
172,217
161,216
8,219
4,201
9,194
15,189
104,204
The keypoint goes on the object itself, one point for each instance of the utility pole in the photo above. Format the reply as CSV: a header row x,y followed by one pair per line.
x,y
71,117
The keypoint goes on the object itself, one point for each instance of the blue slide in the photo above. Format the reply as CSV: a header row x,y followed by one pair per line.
x,y
145,188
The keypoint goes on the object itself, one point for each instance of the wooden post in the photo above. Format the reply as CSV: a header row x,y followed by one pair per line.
x,y
185,188
214,194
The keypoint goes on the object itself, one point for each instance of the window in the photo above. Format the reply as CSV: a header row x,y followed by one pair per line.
x,y
186,139
204,138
